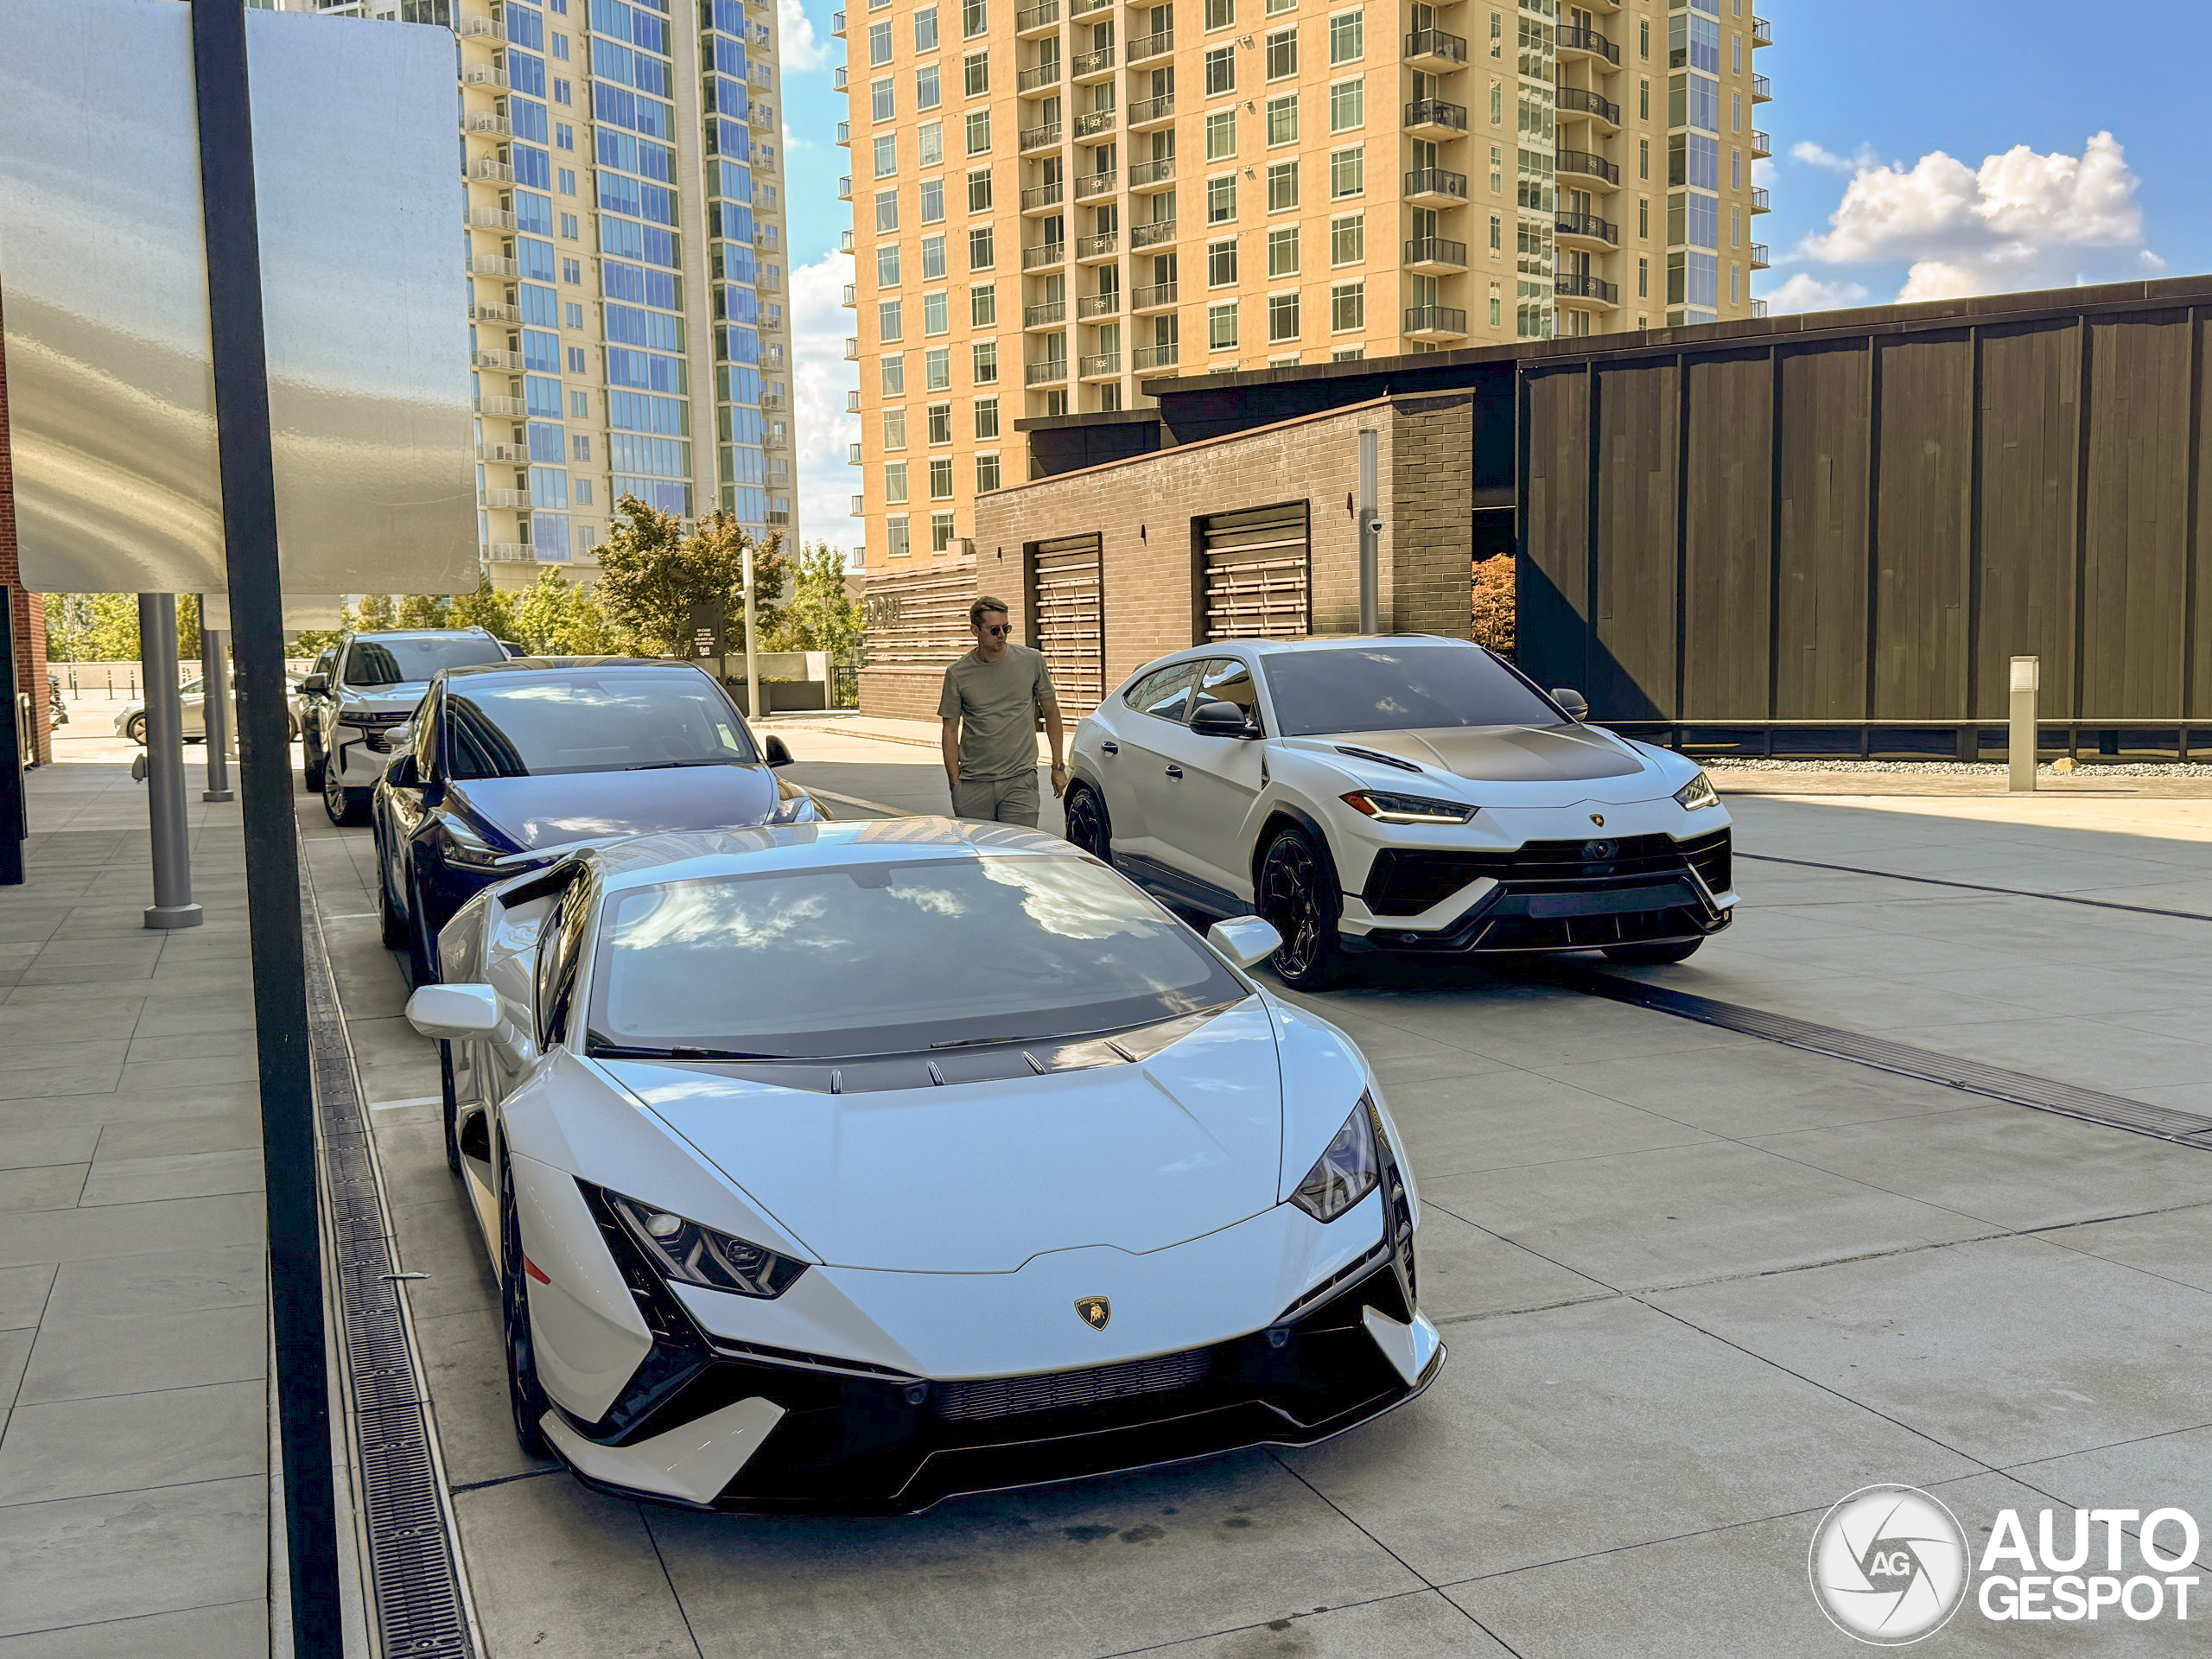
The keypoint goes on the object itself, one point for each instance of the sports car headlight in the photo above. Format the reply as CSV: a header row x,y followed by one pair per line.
x,y
1698,793
1386,808
693,1254
1346,1172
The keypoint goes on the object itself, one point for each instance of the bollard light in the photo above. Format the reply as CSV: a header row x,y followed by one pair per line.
x,y
2020,741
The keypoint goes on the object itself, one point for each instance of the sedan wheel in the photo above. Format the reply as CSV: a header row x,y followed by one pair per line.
x,y
525,1397
135,729
1298,893
1089,828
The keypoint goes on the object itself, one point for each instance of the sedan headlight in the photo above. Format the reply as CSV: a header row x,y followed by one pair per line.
x,y
1697,793
1346,1170
690,1254
469,852
1385,807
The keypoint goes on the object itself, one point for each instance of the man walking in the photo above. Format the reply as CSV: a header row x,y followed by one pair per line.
x,y
990,707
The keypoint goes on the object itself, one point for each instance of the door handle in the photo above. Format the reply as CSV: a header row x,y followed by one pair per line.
x,y
1174,772
1111,748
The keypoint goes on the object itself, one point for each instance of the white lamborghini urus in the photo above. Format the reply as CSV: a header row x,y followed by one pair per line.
x,y
1402,793
850,1166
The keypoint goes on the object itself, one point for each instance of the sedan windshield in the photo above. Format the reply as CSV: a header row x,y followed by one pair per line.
x,y
890,958
406,662
590,720
1398,688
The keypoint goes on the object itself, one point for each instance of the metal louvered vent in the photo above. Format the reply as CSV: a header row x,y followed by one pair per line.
x,y
1065,588
1012,1396
1255,574
414,1575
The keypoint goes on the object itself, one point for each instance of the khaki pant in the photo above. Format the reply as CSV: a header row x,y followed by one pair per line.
x,y
997,800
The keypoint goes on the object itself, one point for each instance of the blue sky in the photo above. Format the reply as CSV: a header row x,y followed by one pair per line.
x,y
1887,117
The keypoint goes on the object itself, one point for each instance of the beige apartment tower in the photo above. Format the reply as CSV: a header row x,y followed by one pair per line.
x,y
1054,202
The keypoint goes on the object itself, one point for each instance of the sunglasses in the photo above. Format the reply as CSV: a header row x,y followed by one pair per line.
x,y
999,633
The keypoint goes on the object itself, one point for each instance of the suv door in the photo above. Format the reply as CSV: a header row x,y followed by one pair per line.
x,y
1157,704
1208,787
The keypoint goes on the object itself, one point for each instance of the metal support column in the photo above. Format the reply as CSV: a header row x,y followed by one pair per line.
x,y
753,709
14,817
215,709
1370,536
172,906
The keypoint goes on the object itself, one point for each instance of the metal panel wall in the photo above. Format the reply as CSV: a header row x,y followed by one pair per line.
x,y
1822,553
1554,573
1923,573
1063,593
1728,518
1637,475
2024,595
1256,573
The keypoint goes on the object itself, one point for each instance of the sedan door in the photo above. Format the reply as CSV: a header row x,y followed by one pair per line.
x,y
1208,787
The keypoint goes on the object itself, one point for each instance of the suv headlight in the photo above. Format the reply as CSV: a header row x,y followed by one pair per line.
x,y
691,1254
1698,793
1346,1170
1385,807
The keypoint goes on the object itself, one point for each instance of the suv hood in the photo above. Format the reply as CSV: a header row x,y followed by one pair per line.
x,y
400,699
562,807
979,1178
1505,754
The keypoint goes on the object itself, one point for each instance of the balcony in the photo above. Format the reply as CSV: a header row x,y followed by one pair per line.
x,y
1762,32
490,219
1093,66
1039,19
513,408
1152,235
849,299
852,401
507,500
845,133
1436,255
1761,90
852,349
1434,50
860,507
1145,48
845,240
512,454
1582,289
1758,307
837,24
1762,146
487,126
776,400
1762,257
1151,111
1436,322
1578,42
845,187
477,29
1090,250
1762,202
1088,186
1148,175
1162,356
484,74
1095,123
1046,73
1581,229
493,264
1050,314
1099,305
1101,366
1153,297
1044,138
496,313
491,172
1575,101
1084,8
1040,256
1432,186
1051,371
511,553
837,81
1432,118
1581,164
852,455
1043,198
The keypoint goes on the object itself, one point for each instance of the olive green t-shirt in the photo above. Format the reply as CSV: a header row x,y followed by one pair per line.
x,y
996,704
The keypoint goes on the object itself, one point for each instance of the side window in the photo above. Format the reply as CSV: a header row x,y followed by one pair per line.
x,y
325,662
560,950
1167,694
1226,681
427,724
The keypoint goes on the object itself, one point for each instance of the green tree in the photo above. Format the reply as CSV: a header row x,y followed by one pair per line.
x,y
487,608
376,613
820,614
555,618
650,574
421,610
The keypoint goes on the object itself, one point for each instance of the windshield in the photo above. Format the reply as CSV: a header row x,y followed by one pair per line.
x,y
891,959
590,720
405,661
1398,688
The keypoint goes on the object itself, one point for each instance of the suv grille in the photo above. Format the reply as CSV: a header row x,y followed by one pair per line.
x,y
1012,1396
1406,882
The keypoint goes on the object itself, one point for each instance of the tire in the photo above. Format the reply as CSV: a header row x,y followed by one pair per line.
x,y
1090,827
1297,892
311,773
135,729
338,803
452,1107
1653,955
525,1396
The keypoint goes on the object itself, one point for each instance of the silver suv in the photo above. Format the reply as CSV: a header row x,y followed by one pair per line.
x,y
371,686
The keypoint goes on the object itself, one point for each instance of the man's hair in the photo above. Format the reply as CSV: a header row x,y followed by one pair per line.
x,y
975,612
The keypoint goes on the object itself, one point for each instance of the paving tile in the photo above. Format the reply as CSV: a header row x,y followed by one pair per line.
x,y
1497,1120
53,1186
2174,1244
134,1286
22,1295
175,1072
231,1631
14,1354
79,1069
465,1363
78,1448
1760,1091
83,1359
1414,1626
233,1131
173,1224
78,1560
178,1175
90,1019
1468,1273
196,1015
32,1138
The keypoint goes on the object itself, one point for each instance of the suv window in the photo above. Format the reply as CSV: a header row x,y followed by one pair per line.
x,y
1167,694
410,661
1228,681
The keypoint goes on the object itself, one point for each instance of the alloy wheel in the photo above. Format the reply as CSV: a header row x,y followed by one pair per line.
x,y
1087,830
1290,899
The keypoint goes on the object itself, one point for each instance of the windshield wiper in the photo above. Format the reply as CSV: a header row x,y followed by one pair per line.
x,y
663,765
606,1051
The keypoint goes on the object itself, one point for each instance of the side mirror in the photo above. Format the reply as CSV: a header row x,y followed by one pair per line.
x,y
453,1011
315,685
1572,701
778,750
512,649
1244,939
1216,719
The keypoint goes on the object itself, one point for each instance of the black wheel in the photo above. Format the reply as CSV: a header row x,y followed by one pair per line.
x,y
135,729
1089,826
1652,956
524,1397
392,926
337,800
452,1107
291,729
311,770
1298,893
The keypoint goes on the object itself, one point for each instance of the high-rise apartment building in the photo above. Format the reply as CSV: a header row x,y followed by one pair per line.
x,y
1054,201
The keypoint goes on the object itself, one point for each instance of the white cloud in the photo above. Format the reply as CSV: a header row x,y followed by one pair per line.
x,y
820,378
1805,292
1812,155
801,47
2020,220
792,141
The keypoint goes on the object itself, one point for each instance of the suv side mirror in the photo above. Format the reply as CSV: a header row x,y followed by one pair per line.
x,y
1215,719
778,750
1572,701
315,685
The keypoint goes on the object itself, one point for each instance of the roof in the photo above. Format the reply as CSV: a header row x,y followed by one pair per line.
x,y
555,664
643,860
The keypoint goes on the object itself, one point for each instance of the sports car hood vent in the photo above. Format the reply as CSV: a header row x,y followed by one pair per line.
x,y
982,1173
1510,754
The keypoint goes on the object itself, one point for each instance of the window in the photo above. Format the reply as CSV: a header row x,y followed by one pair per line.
x,y
894,429
1348,240
1736,101
579,405
1221,328
986,418
1643,280
1644,100
1347,174
1221,71
895,532
1282,53
564,135
1643,158
887,265
1496,307
1497,233
981,252
886,211
583,494
569,229
976,73
1735,227
1497,171
986,364
941,478
979,190
1221,199
940,418
935,318
1735,47
1347,105
878,43
1282,120
926,30
1221,263
973,20
1221,135
1220,14
979,131
574,315
940,530
987,473
1348,307
882,103
576,359
1275,8
895,482
1347,37
929,144
1735,274
886,155
927,93
1643,40
936,368
1643,216
932,258
893,368
567,177
890,322
1496,104
1282,253
1283,186
933,200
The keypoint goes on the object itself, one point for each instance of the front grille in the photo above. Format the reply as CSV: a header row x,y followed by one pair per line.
x,y
1013,1397
1406,881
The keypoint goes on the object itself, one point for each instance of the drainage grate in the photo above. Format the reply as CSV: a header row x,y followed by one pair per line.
x,y
2018,1088
414,1573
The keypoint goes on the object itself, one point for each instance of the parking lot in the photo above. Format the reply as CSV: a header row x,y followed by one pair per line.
x,y
1697,1287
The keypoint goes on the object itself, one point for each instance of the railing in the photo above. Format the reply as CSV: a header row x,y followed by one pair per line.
x,y
1094,122
1152,297
845,187
837,79
1043,374
1435,250
1042,137
1099,305
1762,257
1570,223
852,455
1037,17
1761,90
1582,161
776,400
507,452
1158,171
1102,246
490,219
762,118
506,500
483,74
1762,32
849,299
859,505
1435,44
1042,195
1762,146
1580,285
1101,363
1436,320
1435,182
1758,307
1762,202
513,408
845,240
1162,356
1038,255
844,132
488,126
1046,73
1101,183
497,313
493,264
510,552
852,402
477,29
491,172
1159,42
1094,63
1084,8
1045,314
1583,102
1151,109
1152,235
837,24
1435,112
1573,38
852,349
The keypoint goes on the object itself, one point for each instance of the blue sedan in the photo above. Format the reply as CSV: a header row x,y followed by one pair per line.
x,y
511,764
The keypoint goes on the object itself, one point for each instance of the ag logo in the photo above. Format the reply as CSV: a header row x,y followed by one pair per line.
x,y
1096,1311
1889,1565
